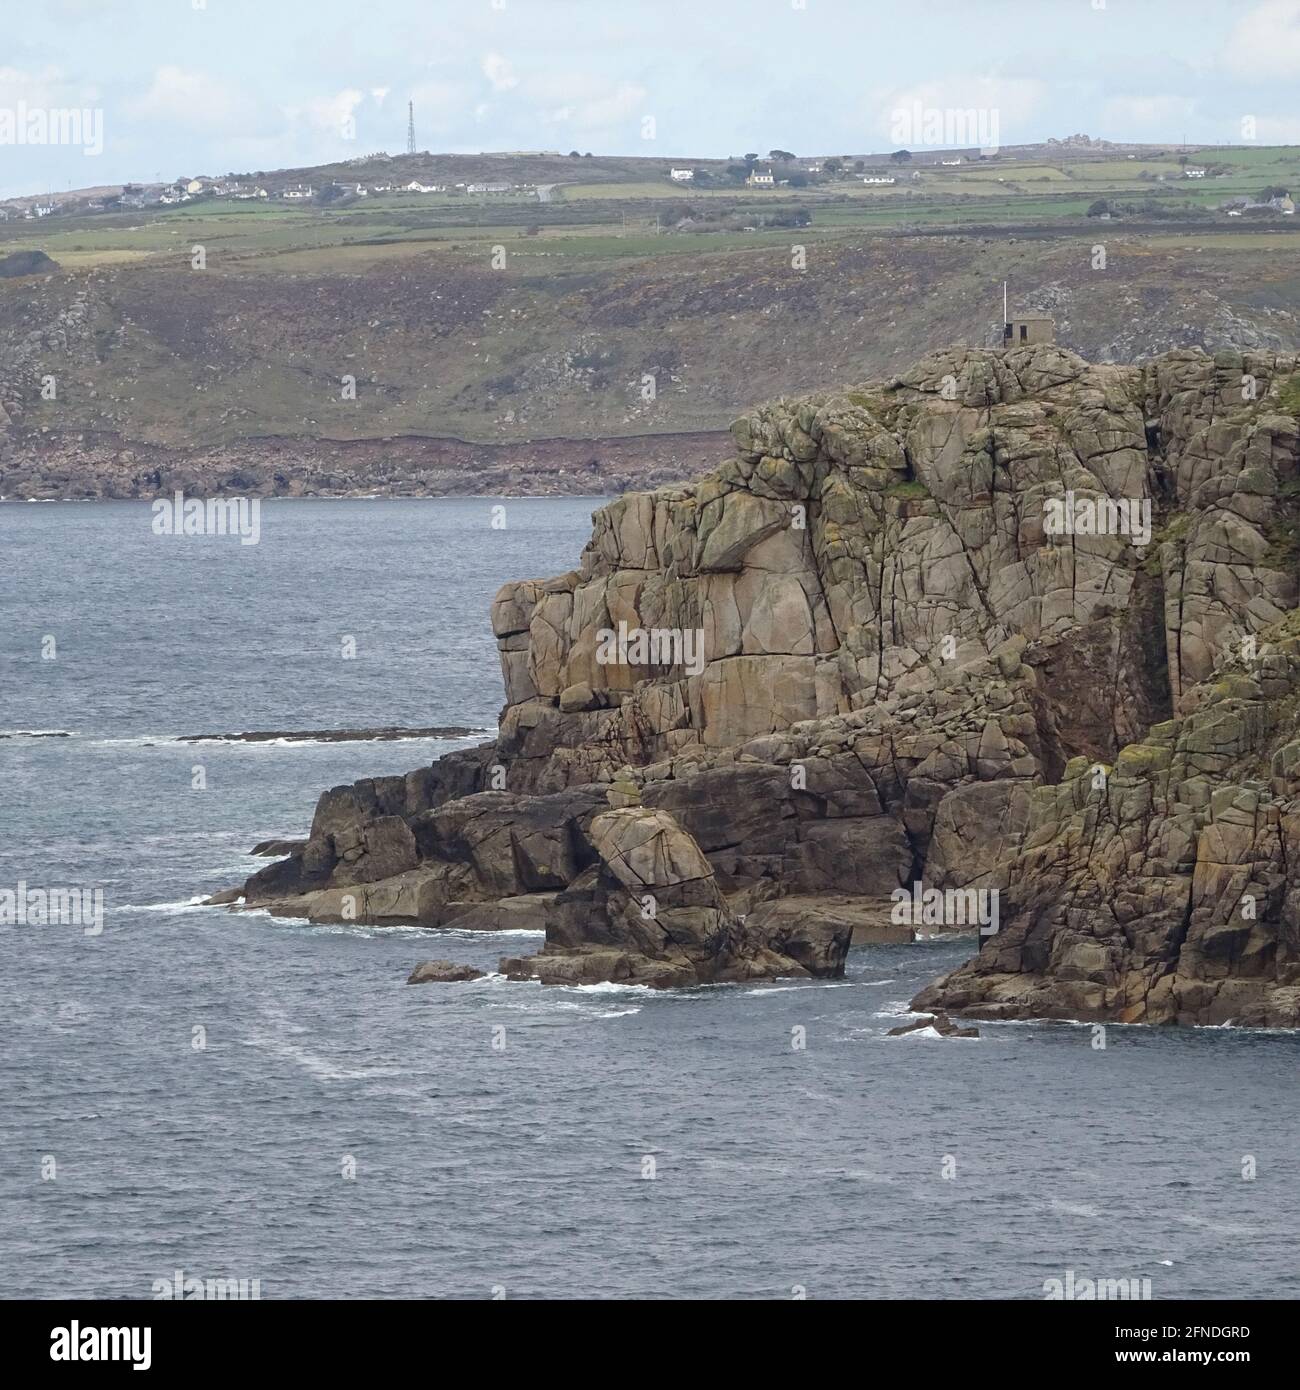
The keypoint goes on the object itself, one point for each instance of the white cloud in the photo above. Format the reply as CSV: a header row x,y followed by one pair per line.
x,y
1265,42
1005,105
1159,117
1277,130
588,104
197,101
334,115
499,72
45,87
440,109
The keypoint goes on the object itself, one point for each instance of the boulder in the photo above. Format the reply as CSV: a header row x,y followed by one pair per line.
x,y
441,972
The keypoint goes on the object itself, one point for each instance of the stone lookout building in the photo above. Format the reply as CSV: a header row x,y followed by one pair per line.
x,y
1023,329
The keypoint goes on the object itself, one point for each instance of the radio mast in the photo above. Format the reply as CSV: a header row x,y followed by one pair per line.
x,y
410,127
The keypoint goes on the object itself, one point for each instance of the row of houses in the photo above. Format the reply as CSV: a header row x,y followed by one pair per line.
x,y
30,213
1284,204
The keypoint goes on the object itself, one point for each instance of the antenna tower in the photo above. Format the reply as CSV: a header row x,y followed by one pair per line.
x,y
410,127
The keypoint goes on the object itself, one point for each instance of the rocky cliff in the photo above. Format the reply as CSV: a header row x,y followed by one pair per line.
x,y
866,652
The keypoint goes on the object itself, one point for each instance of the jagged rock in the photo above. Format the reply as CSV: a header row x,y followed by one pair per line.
x,y
441,972
941,1024
273,848
651,912
869,660
1162,890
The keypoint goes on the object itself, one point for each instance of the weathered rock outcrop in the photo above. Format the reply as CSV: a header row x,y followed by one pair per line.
x,y
435,972
1164,889
855,656
650,912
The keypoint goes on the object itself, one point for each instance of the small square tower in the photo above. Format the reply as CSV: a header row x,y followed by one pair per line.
x,y
1023,330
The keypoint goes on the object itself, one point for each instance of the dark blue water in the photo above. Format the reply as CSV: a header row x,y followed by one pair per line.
x,y
480,1167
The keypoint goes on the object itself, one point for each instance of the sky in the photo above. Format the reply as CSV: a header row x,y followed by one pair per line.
x,y
213,86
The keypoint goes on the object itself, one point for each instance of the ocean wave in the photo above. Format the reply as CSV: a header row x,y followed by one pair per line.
x,y
229,741
469,934
181,905
899,1008
614,987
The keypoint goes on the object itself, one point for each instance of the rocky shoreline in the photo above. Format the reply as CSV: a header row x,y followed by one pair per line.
x,y
387,733
874,664
50,465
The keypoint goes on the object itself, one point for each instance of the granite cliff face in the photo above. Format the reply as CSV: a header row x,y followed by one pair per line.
x,y
859,656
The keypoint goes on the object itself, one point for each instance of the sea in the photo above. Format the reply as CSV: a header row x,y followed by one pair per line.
x,y
240,1097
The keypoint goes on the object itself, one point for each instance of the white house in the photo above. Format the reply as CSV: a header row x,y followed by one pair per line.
x,y
415,186
950,163
297,194
681,175
878,178
764,180
1193,173
489,188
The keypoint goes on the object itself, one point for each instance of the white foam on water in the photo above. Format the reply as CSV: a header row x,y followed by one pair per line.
x,y
322,1068
182,905
613,987
1074,1208
469,934
899,1008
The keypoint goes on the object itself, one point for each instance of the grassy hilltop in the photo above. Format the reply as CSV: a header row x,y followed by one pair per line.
x,y
545,311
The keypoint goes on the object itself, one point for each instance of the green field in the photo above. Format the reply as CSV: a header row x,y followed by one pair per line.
x,y
622,273
614,215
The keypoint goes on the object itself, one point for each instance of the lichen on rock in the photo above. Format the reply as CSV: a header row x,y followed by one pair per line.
x,y
896,671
